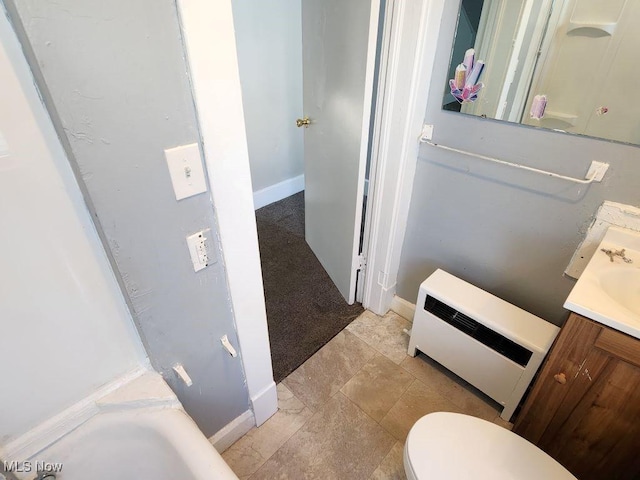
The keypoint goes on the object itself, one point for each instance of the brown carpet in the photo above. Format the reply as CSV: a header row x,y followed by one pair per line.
x,y
304,308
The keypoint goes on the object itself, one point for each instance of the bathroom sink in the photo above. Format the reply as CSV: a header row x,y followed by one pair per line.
x,y
623,286
608,291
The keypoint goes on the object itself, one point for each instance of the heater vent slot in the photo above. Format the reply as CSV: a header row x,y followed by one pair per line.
x,y
479,332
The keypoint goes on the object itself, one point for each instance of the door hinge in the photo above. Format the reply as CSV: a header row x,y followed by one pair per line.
x,y
362,262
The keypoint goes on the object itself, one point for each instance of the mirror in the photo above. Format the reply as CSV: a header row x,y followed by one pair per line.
x,y
568,65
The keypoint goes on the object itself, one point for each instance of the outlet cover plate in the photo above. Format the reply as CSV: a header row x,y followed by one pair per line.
x,y
201,249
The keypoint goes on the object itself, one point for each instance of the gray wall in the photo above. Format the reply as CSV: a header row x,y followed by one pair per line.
x,y
116,82
269,43
507,231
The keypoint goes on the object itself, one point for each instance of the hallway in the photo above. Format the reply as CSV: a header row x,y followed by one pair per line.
x,y
304,308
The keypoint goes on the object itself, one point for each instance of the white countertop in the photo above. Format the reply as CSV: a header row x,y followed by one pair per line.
x,y
609,292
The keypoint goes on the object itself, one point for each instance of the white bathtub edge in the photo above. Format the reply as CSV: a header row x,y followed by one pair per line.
x,y
48,432
233,431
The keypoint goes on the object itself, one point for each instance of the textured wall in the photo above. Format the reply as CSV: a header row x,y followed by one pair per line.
x,y
116,80
507,231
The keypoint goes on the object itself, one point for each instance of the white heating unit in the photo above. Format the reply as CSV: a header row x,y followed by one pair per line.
x,y
495,346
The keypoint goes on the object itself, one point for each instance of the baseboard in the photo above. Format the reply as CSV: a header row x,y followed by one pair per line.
x,y
38,438
276,192
403,307
265,403
233,431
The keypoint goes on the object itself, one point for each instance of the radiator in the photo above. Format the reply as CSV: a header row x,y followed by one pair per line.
x,y
495,346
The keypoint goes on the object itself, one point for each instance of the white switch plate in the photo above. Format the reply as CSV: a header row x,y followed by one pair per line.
x,y
201,249
185,168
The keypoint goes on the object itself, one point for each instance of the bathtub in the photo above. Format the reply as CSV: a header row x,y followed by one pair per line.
x,y
141,433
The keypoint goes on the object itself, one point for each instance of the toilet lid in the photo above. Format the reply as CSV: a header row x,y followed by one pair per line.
x,y
452,446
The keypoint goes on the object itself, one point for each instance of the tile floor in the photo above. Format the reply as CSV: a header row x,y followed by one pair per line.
x,y
345,413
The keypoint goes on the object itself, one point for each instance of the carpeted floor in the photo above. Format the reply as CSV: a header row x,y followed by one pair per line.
x,y
304,308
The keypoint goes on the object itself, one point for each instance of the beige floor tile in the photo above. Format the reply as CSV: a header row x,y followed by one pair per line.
x,y
385,334
252,450
470,400
417,401
338,442
326,372
377,386
392,467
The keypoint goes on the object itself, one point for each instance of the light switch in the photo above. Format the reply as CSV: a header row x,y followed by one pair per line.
x,y
185,168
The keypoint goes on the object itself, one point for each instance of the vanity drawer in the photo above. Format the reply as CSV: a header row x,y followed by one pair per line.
x,y
620,345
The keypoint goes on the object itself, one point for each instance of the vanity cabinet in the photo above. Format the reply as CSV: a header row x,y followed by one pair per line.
x,y
584,408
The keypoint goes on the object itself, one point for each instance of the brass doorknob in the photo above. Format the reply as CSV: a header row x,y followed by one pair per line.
x,y
561,378
303,122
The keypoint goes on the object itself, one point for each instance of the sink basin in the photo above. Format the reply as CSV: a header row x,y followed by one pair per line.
x,y
609,291
623,286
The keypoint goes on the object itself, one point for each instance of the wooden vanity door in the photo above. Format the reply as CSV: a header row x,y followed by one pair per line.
x,y
584,410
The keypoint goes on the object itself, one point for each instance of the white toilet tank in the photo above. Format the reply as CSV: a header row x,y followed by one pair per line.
x,y
452,446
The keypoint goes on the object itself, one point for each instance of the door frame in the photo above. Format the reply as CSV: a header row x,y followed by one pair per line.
x,y
408,52
210,48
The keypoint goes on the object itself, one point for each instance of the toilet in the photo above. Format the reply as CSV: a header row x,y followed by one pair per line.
x,y
452,446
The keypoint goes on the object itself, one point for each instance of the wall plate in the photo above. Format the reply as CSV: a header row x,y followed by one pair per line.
x,y
201,249
185,168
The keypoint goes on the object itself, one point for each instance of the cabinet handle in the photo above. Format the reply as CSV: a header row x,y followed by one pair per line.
x,y
561,378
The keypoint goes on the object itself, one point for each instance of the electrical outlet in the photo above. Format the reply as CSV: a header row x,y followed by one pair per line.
x,y
201,249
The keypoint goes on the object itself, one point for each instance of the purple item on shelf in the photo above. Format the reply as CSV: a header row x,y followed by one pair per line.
x,y
538,106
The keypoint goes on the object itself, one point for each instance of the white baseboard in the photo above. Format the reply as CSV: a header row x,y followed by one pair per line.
x,y
403,307
233,431
276,192
265,403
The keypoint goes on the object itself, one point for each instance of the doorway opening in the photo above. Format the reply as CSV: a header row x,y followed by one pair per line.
x,y
304,308
308,264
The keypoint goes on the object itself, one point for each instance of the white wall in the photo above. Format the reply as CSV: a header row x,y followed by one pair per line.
x,y
269,43
64,323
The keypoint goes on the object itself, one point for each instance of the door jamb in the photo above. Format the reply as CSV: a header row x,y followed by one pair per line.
x,y
210,48
410,49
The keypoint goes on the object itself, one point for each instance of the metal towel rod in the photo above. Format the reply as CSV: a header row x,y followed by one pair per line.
x,y
586,181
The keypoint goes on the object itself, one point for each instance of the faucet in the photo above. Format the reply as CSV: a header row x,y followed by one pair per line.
x,y
45,476
616,253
